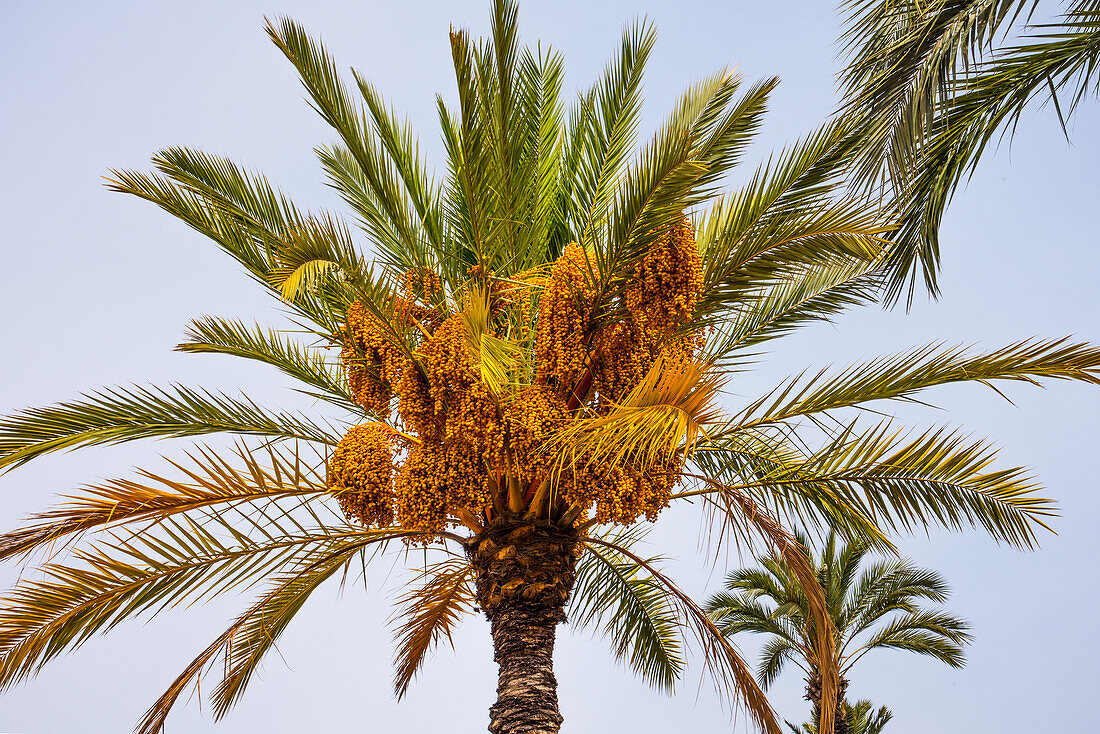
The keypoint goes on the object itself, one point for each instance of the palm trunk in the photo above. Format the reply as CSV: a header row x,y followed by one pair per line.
x,y
813,695
525,572
527,691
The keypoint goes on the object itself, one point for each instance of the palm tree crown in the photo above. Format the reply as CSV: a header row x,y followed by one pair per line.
x,y
879,607
531,349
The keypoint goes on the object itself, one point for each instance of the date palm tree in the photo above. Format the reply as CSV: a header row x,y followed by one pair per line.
x,y
531,350
932,83
880,608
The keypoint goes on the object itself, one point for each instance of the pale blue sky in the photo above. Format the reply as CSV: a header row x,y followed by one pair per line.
x,y
99,287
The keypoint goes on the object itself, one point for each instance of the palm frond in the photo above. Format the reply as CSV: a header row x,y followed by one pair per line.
x,y
866,484
775,653
861,717
183,562
987,105
675,170
212,335
501,362
251,221
790,214
934,634
617,595
264,476
663,415
902,376
895,586
254,632
428,613
600,137
258,630
127,414
291,240
471,198
932,87
792,298
397,140
905,59
382,200
730,674
746,462
734,613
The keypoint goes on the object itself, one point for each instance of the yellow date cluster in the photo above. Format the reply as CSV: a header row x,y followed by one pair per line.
x,y
457,446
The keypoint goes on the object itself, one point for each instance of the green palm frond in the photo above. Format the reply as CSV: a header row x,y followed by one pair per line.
x,y
428,613
872,482
382,202
841,574
259,629
792,298
127,414
728,671
896,586
315,257
600,137
251,221
933,83
675,171
935,634
741,613
902,376
869,721
235,204
255,478
471,196
397,140
906,57
988,104
536,160
241,238
504,197
775,653
792,213
616,595
346,176
769,580
290,239
745,465
246,195
212,335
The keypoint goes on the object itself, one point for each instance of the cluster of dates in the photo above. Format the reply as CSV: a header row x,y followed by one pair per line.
x,y
456,444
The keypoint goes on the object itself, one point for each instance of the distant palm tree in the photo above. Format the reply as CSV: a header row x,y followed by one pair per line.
x,y
881,609
860,717
933,81
531,348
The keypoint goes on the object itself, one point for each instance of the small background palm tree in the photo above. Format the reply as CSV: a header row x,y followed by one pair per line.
x,y
860,717
878,607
